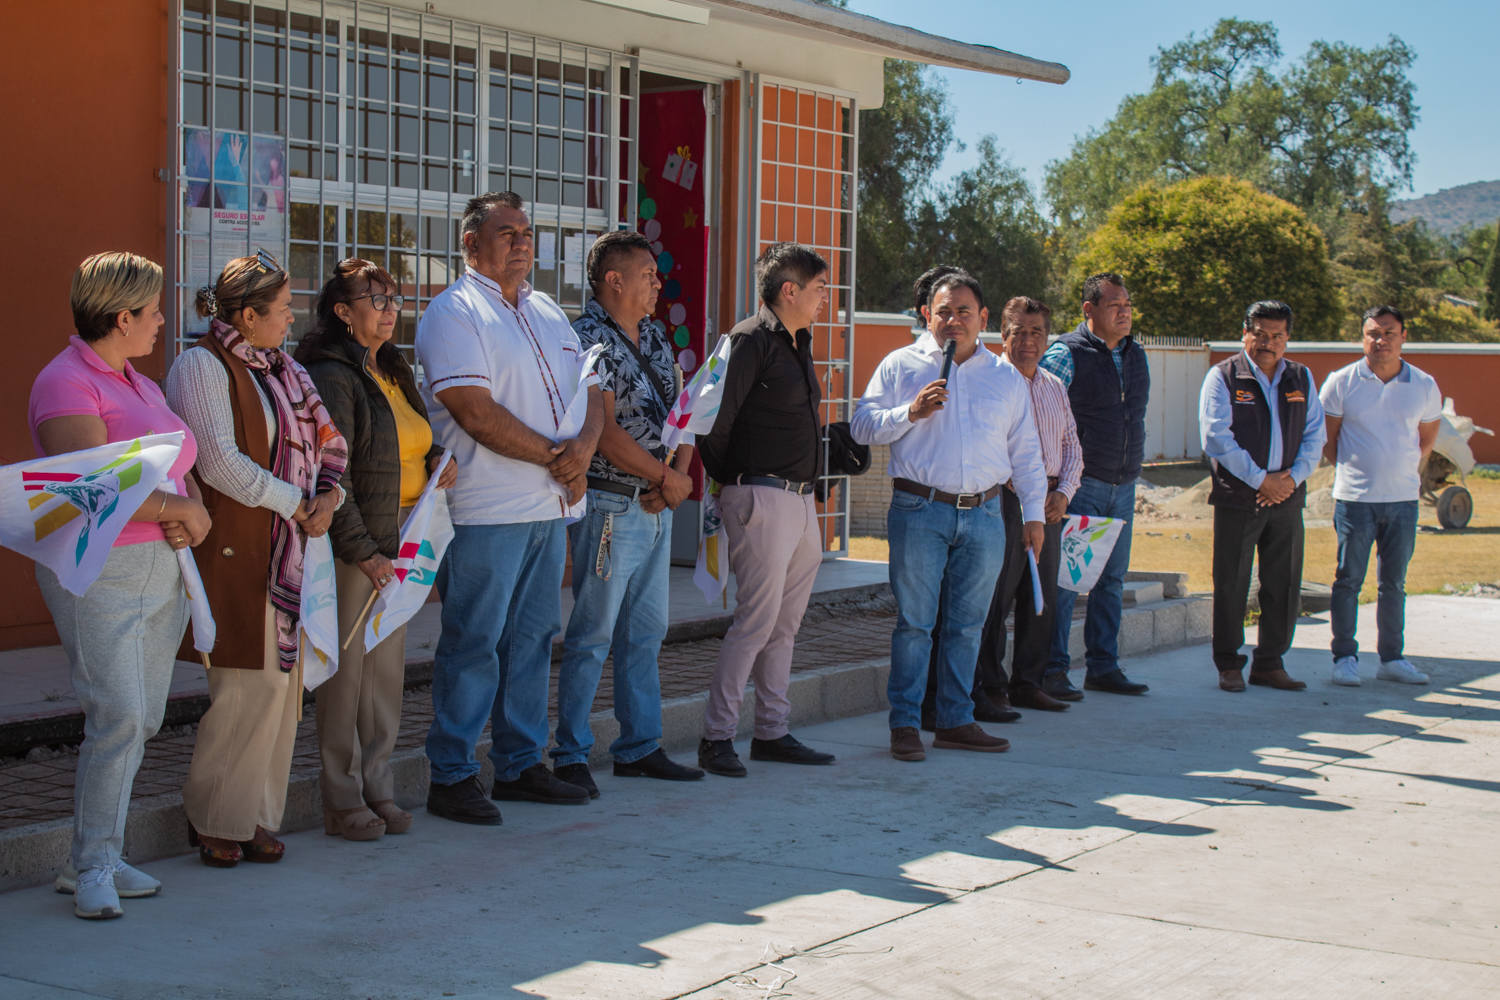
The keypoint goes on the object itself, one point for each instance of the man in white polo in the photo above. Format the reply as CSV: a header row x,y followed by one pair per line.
x,y
1382,418
500,362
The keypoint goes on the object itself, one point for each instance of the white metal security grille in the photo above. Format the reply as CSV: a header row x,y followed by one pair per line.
x,y
323,130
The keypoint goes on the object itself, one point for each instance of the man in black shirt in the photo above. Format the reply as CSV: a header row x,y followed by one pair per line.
x,y
764,449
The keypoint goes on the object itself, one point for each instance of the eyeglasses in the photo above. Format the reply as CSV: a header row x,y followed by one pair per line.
x,y
383,302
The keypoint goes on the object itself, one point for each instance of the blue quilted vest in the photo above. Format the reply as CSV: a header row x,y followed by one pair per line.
x,y
1109,405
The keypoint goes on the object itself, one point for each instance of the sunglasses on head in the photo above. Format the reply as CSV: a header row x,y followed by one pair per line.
x,y
267,265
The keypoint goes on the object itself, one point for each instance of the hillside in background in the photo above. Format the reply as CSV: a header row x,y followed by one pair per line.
x,y
1451,209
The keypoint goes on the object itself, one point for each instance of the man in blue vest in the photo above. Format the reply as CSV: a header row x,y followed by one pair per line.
x,y
1262,428
1108,384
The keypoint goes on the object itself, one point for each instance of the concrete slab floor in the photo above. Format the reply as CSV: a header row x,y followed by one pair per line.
x,y
1189,843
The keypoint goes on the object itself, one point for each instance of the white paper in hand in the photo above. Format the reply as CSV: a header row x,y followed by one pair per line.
x,y
572,422
1036,583
205,632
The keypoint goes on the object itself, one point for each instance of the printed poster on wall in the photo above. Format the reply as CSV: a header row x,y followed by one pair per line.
x,y
241,209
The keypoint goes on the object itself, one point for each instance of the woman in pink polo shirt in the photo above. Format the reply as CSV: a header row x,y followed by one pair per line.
x,y
122,635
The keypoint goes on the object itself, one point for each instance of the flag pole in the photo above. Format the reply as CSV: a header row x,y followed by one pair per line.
x,y
360,620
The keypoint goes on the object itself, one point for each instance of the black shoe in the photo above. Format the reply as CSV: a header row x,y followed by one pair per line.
x,y
718,757
1115,682
657,764
993,708
463,802
1058,686
578,774
537,784
787,751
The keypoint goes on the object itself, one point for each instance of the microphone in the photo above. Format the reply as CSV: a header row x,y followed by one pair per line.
x,y
949,349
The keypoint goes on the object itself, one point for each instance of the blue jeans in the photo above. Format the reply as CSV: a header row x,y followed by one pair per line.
x,y
1392,529
628,612
1101,629
941,557
501,587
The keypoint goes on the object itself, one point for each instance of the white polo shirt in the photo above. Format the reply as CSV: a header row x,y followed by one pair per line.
x,y
1378,449
528,360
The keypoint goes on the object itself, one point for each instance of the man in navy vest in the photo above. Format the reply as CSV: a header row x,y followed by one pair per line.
x,y
1108,384
1262,427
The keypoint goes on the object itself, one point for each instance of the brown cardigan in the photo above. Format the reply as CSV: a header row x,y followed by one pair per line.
x,y
235,558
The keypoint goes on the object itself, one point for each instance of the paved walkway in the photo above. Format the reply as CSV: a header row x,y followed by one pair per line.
x,y
1334,843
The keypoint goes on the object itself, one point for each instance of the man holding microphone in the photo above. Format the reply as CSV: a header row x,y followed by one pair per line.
x,y
954,441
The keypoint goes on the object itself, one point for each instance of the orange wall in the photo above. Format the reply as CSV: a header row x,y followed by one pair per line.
x,y
872,342
85,117
1470,378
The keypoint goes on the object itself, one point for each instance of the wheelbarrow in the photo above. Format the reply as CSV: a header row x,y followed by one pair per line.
x,y
1451,456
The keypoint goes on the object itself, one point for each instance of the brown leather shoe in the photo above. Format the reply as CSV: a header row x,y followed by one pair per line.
x,y
969,737
1278,679
1035,697
1231,680
906,744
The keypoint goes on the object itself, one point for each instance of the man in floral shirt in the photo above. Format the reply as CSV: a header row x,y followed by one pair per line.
x,y
622,546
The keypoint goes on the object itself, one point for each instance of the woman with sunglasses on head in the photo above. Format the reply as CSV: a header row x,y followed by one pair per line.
x,y
371,394
269,459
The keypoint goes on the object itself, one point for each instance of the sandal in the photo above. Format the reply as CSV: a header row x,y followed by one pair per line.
x,y
263,848
358,823
397,820
215,851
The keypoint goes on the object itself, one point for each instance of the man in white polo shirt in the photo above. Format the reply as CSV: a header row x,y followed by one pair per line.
x,y
500,363
1382,422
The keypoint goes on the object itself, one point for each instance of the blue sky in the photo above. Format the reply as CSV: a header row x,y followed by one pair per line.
x,y
1107,46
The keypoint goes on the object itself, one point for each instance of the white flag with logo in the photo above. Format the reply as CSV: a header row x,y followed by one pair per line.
x,y
712,572
320,613
1086,544
66,511
572,422
697,407
424,539
205,631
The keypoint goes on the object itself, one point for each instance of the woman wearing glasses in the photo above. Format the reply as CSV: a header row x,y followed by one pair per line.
x,y
372,396
269,459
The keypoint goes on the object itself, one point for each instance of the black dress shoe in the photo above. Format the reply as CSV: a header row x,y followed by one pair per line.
x,y
787,750
1035,697
463,802
993,708
1115,682
537,784
657,764
1058,686
718,757
578,774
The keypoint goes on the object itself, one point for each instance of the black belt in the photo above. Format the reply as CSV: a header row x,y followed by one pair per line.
x,y
775,483
963,501
610,486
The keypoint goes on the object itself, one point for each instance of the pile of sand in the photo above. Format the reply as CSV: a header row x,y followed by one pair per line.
x,y
1193,502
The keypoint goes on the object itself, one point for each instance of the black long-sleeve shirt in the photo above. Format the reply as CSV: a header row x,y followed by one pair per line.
x,y
768,416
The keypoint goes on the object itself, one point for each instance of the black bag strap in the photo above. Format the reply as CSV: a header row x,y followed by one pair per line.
x,y
645,366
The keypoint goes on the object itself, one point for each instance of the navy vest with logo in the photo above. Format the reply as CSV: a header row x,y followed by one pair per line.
x,y
1109,405
1250,422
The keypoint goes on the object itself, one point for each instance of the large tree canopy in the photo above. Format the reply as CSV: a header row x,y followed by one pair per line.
x,y
1196,253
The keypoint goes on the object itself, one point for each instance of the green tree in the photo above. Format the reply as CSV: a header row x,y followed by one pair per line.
x,y
1492,280
1197,252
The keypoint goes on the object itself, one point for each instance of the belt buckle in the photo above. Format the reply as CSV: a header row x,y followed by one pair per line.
x,y
968,501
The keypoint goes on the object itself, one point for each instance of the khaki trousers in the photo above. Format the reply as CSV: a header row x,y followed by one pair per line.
x,y
359,707
775,551
243,757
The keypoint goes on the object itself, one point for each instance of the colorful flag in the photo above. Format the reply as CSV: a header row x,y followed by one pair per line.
x,y
712,572
320,612
572,422
65,511
424,539
698,406
1086,545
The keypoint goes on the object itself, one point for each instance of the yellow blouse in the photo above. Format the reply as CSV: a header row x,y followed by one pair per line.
x,y
415,437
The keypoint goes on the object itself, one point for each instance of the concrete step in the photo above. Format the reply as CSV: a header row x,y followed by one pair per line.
x,y
1141,592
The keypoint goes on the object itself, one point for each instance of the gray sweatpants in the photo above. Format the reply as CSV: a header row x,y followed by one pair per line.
x,y
121,637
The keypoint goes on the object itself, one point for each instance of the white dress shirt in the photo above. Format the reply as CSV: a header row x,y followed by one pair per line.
x,y
528,359
1219,444
983,436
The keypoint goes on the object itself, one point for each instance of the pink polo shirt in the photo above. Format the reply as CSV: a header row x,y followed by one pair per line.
x,y
79,382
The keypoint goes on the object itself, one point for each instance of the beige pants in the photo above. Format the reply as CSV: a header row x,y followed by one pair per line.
x,y
774,551
359,707
243,755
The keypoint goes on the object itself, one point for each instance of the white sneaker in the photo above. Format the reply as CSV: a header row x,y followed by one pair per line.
x,y
130,883
1346,671
95,898
1401,670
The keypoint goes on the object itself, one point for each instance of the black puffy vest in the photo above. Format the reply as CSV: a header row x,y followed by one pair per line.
x,y
1250,422
1109,405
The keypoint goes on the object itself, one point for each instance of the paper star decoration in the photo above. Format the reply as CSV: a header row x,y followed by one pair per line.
x,y
689,219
